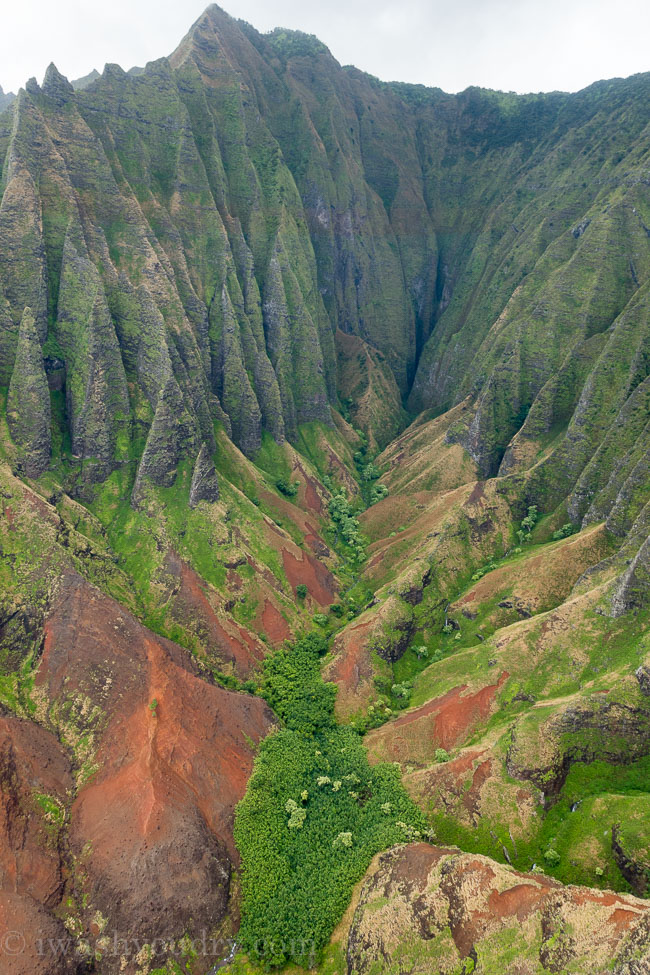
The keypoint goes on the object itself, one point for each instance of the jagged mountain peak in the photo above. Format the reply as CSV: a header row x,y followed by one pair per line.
x,y
6,98
56,85
80,83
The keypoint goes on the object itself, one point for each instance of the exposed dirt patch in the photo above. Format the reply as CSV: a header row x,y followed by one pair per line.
x,y
191,601
274,624
443,722
35,779
351,668
26,918
304,568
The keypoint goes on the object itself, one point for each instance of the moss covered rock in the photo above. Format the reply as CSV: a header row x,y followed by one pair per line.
x,y
28,401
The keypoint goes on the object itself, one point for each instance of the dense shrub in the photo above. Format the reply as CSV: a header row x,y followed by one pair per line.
x,y
288,488
564,531
314,815
378,492
527,524
347,526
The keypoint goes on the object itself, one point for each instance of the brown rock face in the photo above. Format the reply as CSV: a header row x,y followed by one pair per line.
x,y
427,909
160,758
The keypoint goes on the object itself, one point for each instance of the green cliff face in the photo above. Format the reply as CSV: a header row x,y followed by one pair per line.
x,y
28,402
234,206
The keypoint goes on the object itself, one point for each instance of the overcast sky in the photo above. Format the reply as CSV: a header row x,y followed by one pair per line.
x,y
513,45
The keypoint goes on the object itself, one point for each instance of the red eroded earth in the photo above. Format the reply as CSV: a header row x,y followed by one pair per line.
x,y
351,668
150,763
274,624
421,889
35,778
305,568
193,602
443,722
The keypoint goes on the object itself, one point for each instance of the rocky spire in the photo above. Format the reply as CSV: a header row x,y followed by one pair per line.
x,y
6,98
28,402
56,85
205,485
170,435
633,589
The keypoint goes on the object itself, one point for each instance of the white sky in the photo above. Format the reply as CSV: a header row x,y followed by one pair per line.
x,y
518,45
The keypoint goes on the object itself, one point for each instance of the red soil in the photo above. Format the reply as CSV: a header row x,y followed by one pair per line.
x,y
192,606
274,624
351,669
518,901
31,761
309,496
351,664
31,931
312,573
158,813
444,722
456,715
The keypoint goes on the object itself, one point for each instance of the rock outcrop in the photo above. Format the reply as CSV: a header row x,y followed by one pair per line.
x,y
271,257
205,484
429,909
633,590
169,435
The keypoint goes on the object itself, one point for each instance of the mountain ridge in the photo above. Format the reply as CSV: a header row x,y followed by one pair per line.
x,y
324,411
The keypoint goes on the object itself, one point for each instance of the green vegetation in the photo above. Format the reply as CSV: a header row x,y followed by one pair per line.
x,y
346,527
564,531
288,488
187,286
314,814
527,525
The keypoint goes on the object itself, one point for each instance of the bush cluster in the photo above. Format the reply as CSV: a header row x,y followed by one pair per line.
x,y
314,814
564,531
527,524
347,526
288,488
